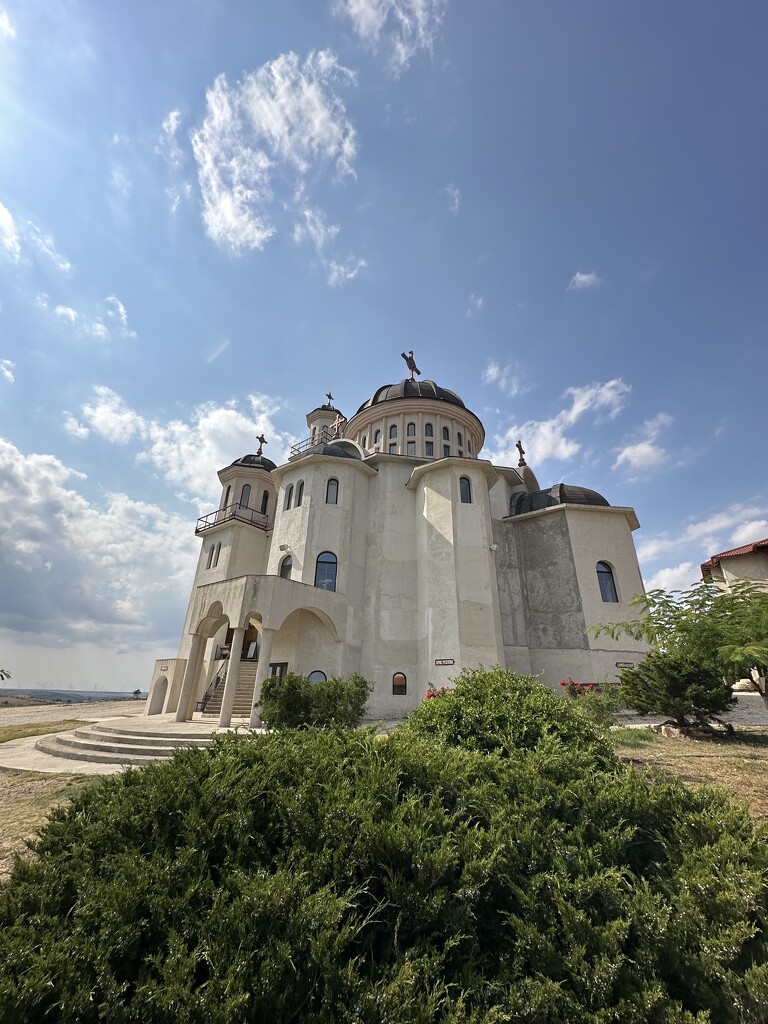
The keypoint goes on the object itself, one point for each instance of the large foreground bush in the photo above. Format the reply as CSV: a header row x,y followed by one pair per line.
x,y
488,862
292,701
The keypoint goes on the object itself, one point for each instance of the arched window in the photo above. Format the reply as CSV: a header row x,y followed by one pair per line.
x,y
469,444
364,442
227,496
286,567
245,495
216,555
393,430
299,493
264,502
607,583
210,556
460,439
465,490
317,676
446,434
410,430
289,497
325,571
428,430
377,437
399,684
332,492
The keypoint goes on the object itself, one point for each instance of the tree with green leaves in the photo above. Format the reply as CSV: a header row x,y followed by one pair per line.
x,y
721,634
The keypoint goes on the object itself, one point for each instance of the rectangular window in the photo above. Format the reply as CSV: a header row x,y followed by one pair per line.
x,y
277,669
393,448
429,449
411,447
446,451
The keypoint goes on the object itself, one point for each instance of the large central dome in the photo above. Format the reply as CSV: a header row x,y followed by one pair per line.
x,y
411,389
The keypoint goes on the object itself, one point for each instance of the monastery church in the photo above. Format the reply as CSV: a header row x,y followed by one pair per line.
x,y
385,546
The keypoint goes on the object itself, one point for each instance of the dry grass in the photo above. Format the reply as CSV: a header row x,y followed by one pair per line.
x,y
25,800
739,763
18,732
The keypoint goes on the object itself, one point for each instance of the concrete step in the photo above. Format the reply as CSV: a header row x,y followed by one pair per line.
x,y
69,739
52,745
154,739
169,733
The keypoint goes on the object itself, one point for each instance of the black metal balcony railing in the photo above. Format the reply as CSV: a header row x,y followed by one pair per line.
x,y
325,435
241,513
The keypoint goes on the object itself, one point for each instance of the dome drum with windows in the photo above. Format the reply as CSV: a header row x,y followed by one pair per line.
x,y
386,545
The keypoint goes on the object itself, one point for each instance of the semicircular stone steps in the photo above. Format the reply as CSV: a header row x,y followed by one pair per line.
x,y
109,744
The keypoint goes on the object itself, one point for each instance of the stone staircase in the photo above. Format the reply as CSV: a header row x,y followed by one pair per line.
x,y
246,683
116,744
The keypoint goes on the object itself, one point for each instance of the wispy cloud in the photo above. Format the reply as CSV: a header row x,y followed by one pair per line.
x,y
581,282
475,305
675,577
9,235
45,244
747,533
175,157
552,438
717,532
117,311
402,28
454,197
507,378
6,370
645,454
218,350
7,30
282,123
313,228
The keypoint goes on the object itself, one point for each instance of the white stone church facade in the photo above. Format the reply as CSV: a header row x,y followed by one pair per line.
x,y
386,546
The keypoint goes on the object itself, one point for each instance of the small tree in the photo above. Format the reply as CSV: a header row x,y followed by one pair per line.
x,y
294,702
671,685
721,632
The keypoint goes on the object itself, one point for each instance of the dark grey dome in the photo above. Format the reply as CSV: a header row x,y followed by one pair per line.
x,y
560,494
412,389
334,450
255,462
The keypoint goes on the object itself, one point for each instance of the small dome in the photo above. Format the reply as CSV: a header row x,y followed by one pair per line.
x,y
412,389
334,450
560,494
255,462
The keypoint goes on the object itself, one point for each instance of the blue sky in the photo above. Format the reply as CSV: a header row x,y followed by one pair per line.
x,y
211,214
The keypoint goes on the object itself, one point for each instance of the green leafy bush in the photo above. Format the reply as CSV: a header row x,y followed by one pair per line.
x,y
674,685
293,702
488,862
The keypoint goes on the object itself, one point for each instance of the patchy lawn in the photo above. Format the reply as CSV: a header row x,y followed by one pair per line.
x,y
738,762
18,732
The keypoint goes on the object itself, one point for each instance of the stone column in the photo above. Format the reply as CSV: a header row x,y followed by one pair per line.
x,y
262,671
235,653
191,675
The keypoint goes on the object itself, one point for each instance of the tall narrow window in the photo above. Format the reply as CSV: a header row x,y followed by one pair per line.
x,y
469,444
289,497
299,493
227,496
446,434
607,583
210,556
460,439
216,555
429,449
286,567
428,430
446,451
364,442
465,490
393,430
410,430
264,502
399,684
411,448
377,437
325,571
393,447
332,492
245,495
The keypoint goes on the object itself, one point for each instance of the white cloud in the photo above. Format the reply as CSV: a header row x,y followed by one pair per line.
x,y
645,454
66,313
74,428
9,236
314,229
676,577
747,533
475,304
113,573
506,378
281,122
46,245
187,454
41,301
6,370
708,536
175,157
454,197
7,30
549,439
96,329
219,349
581,282
116,311
403,27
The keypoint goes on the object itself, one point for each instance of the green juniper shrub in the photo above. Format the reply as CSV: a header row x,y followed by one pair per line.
x,y
475,867
677,686
293,702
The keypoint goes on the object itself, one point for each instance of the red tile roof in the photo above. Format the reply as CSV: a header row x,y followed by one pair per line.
x,y
745,549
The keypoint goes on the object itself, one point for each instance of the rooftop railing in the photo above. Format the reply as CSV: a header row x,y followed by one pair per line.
x,y
325,435
241,513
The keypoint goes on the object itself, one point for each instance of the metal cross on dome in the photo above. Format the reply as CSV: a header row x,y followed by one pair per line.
x,y
329,396
522,461
262,441
410,362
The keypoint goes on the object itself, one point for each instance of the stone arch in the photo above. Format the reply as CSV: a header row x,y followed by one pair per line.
x,y
324,617
159,693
